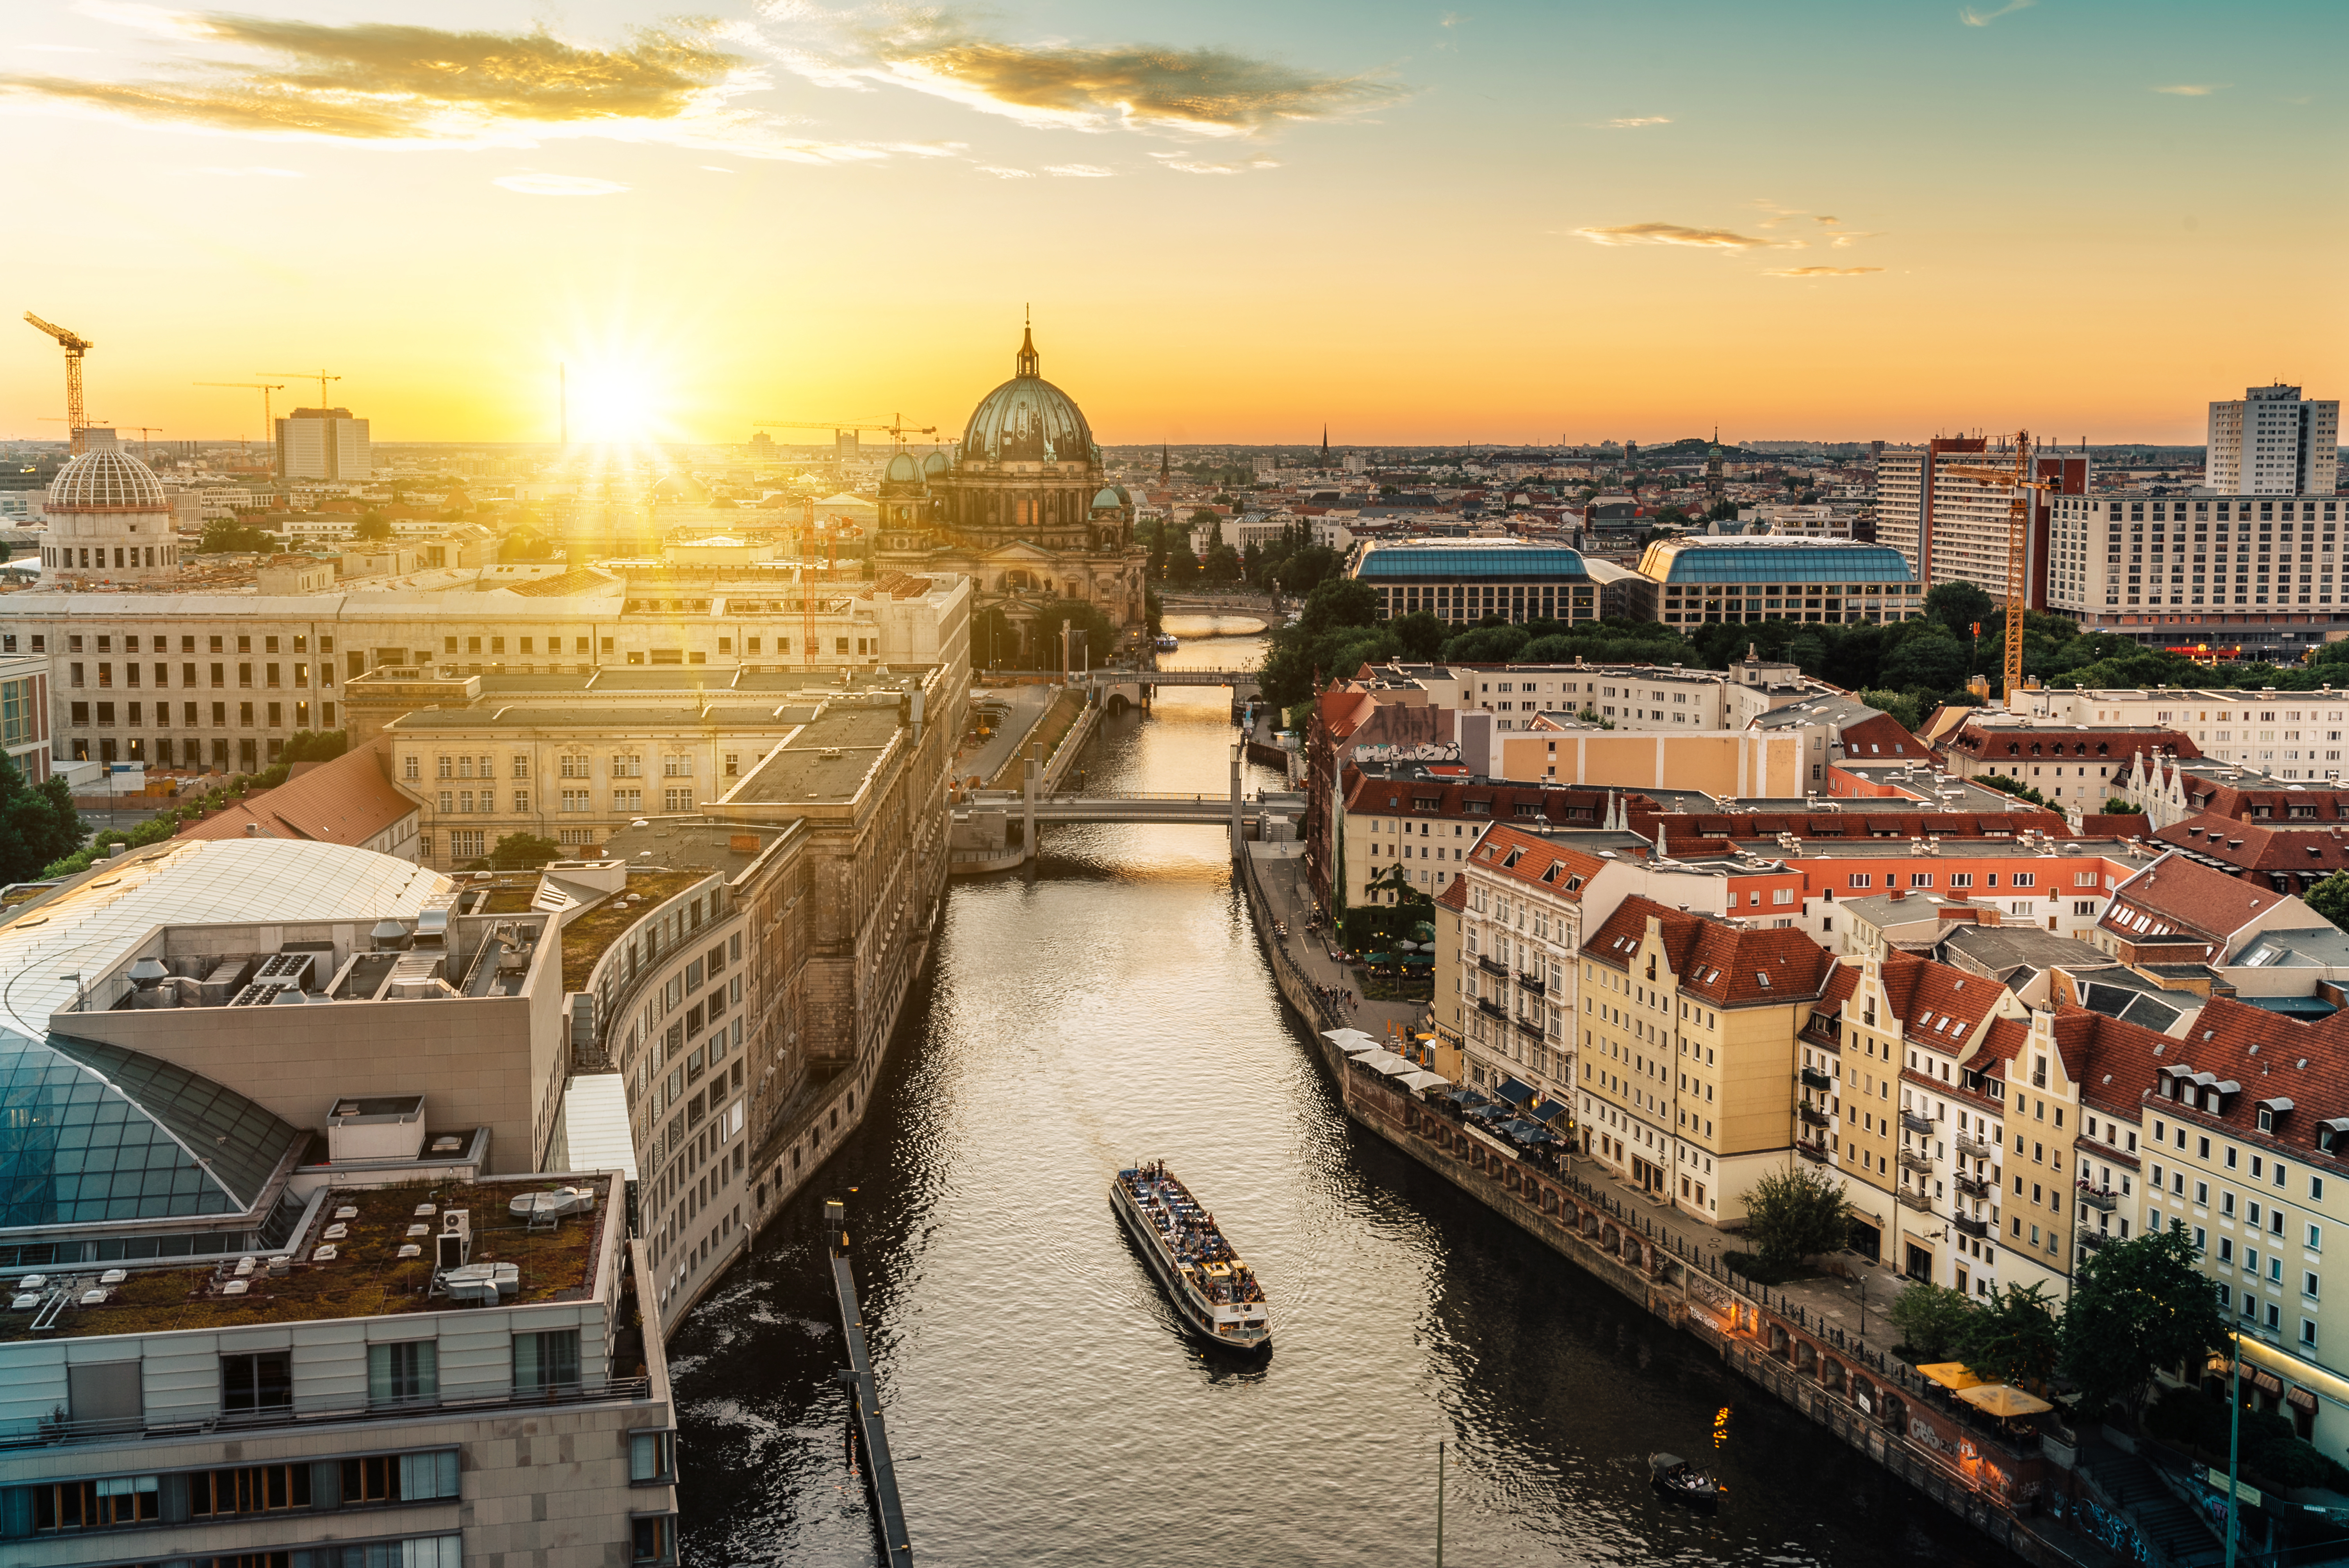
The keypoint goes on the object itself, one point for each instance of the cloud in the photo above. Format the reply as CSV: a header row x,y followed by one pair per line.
x,y
1002,173
1675,234
1079,170
2194,90
1973,18
1821,272
1634,121
1182,165
558,185
253,168
1450,19
1825,218
396,84
55,48
715,168
1211,91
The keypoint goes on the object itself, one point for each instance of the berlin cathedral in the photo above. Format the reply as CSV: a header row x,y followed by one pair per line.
x,y
1025,510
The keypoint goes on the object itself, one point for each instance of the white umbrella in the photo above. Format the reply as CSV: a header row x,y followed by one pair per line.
x,y
1343,1036
1422,1080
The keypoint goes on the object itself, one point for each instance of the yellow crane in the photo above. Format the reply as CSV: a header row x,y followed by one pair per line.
x,y
75,345
268,423
320,376
897,432
2018,546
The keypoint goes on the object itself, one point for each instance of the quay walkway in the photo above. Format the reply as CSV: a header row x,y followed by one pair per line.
x,y
880,1470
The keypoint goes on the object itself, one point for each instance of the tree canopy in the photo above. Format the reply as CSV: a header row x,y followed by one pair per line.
x,y
2137,1306
38,824
1793,1214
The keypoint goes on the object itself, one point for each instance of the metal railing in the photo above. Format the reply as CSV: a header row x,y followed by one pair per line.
x,y
1486,961
1812,1114
1969,1225
43,1430
1810,1151
1492,1010
1916,1121
1813,1078
1909,1198
2102,1198
1911,1159
1532,983
1973,1147
1971,1186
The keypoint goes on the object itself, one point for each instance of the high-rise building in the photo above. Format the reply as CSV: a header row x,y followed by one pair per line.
x,y
324,444
1952,527
2273,441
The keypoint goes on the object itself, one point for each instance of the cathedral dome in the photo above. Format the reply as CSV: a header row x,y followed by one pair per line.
x,y
107,479
903,470
1027,419
1111,497
934,465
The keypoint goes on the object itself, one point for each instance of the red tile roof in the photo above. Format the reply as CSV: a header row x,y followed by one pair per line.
x,y
1454,895
1727,963
346,801
1997,743
1542,864
2272,1056
1682,826
2178,900
1880,738
2255,850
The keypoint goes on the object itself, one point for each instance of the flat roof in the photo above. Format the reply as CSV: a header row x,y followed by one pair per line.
x,y
829,760
1454,561
589,936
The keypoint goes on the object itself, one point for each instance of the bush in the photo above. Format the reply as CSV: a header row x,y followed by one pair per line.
x,y
2275,1457
2014,787
1791,1215
1931,1320
1759,1270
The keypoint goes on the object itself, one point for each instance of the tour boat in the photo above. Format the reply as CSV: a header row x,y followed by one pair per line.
x,y
1675,1477
1166,643
1217,1294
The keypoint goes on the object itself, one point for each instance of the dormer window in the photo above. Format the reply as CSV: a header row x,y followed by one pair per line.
x,y
2332,1136
2272,1111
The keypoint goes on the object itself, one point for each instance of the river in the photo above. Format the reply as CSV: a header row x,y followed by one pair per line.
x,y
1044,1404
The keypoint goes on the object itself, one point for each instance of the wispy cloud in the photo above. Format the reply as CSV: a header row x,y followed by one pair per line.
x,y
392,83
1821,272
1185,165
558,185
1002,173
1675,234
1633,121
1974,19
251,169
2194,90
1211,91
1079,170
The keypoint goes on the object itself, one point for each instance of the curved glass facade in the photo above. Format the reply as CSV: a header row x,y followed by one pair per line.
x,y
1773,561
1469,562
91,1133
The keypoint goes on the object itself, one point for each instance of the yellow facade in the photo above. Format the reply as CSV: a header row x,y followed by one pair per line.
x,y
1728,763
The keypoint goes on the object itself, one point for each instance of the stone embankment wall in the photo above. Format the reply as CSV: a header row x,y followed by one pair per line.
x,y
1869,1401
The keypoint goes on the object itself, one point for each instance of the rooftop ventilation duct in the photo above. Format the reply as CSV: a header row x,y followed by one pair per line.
x,y
389,936
148,972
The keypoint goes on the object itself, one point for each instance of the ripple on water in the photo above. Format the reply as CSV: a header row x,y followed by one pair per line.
x,y
1051,1411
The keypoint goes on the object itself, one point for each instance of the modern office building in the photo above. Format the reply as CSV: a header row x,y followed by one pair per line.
x,y
1703,581
25,715
324,444
2273,441
1462,581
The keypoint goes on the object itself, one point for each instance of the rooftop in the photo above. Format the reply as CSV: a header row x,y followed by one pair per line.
x,y
829,760
1458,560
1772,558
590,935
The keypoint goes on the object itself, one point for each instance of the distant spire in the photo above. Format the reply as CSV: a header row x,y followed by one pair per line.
x,y
1325,443
1027,363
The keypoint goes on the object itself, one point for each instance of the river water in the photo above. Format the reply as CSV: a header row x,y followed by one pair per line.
x,y
1045,1406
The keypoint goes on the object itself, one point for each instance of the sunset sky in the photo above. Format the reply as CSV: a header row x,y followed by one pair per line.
x,y
1509,221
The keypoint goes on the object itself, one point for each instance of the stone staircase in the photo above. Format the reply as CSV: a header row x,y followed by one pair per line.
x,y
2175,1535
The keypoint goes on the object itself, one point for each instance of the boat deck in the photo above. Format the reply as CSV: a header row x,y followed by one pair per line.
x,y
1189,1232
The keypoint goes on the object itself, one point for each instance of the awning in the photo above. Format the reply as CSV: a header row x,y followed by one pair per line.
x,y
1343,1036
1951,1374
1422,1078
1548,1112
2267,1382
1361,1048
1385,1061
2301,1398
1516,1093
2003,1399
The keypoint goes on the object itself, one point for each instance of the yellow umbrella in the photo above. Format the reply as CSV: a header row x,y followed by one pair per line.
x,y
2001,1399
1951,1374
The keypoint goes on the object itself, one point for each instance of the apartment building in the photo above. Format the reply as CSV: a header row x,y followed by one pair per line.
x,y
1687,1059
2293,736
2077,770
324,444
2284,857
1938,507
1671,698
2170,789
222,681
2176,910
2273,441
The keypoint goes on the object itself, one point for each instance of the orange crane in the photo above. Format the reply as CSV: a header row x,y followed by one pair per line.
x,y
320,376
2018,546
897,432
268,425
75,345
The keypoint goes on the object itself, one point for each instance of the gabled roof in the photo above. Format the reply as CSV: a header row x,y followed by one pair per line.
x,y
1881,739
2178,900
1455,896
2258,849
346,801
1725,962
1541,864
2272,1056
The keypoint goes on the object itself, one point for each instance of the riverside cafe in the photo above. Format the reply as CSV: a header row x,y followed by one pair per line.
x,y
1536,1131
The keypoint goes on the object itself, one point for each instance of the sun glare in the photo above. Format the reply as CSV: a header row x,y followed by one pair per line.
x,y
616,404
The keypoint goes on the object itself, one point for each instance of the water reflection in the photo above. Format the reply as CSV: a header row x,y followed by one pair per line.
x,y
1046,1407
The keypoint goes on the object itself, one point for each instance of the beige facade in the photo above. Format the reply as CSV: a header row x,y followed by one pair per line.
x,y
1724,763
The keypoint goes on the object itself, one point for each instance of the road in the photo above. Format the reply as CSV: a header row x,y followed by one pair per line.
x,y
1027,705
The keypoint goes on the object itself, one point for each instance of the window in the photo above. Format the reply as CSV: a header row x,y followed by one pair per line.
x,y
258,1382
95,1504
546,1361
676,799
654,1539
403,1373
2315,1238
401,1478
652,1458
254,1488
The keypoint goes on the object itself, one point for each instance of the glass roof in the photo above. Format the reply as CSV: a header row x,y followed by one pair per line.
x,y
1463,562
1773,561
97,1133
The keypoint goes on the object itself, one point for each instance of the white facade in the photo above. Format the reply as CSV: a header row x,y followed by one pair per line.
x,y
2273,441
2293,734
2117,553
109,522
1947,527
324,444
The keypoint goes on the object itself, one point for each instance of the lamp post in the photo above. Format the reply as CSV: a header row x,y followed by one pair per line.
x,y
2234,1441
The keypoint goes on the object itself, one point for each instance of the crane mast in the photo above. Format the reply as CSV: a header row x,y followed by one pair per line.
x,y
2018,548
75,345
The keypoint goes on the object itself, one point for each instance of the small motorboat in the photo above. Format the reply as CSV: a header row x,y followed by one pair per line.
x,y
1676,1478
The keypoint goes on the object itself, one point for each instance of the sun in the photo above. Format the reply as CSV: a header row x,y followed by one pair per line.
x,y
616,403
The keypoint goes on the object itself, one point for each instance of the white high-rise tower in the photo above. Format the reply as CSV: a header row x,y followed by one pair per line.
x,y
324,444
2272,441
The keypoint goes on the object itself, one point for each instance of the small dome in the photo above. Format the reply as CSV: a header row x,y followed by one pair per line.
x,y
107,479
934,465
902,470
1109,500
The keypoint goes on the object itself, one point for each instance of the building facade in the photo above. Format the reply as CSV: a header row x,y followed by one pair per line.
x,y
1461,580
324,444
110,522
1703,581
2273,441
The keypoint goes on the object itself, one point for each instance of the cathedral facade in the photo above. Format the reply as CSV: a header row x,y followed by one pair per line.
x,y
1025,509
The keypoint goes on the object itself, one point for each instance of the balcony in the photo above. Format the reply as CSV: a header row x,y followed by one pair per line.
x,y
1490,965
1531,1027
1816,1152
2103,1198
1492,1010
1912,1160
1969,1225
1532,983
2091,1240
1908,1197
1813,1078
1812,1114
1916,1121
1974,1186
1973,1147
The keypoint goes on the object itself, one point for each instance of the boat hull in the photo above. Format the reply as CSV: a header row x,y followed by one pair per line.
x,y
1195,1315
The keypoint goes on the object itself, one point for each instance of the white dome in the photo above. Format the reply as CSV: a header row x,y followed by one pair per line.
x,y
107,479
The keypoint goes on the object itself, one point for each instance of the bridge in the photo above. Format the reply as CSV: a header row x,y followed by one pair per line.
x,y
1237,680
982,826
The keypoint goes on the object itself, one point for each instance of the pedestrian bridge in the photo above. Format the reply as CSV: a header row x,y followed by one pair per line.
x,y
1136,806
1241,681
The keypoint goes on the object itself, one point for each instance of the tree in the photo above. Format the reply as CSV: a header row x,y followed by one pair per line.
x,y
519,852
1421,635
1181,566
1101,637
1933,659
38,823
1307,568
2012,1338
1487,645
2138,1307
226,536
1931,1321
1791,1215
1957,606
2329,897
1223,564
1904,710
371,525
2014,787
308,745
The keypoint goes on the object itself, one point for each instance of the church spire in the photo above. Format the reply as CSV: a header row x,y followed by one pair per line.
x,y
1026,364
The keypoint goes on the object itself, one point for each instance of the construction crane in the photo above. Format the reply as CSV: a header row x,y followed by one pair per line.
x,y
75,345
2018,545
147,454
320,376
268,425
897,432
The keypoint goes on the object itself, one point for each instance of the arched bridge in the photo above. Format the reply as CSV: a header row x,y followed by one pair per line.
x,y
996,829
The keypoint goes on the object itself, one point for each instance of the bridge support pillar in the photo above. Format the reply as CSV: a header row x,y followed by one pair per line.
x,y
1239,837
1028,810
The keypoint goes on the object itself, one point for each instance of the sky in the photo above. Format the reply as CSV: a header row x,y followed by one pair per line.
x,y
1526,221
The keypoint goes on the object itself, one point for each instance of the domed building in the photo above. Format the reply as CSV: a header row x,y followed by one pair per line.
x,y
109,522
1024,509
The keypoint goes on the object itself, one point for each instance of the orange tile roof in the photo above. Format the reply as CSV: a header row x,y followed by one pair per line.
x,y
1539,863
2176,898
346,801
1727,963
